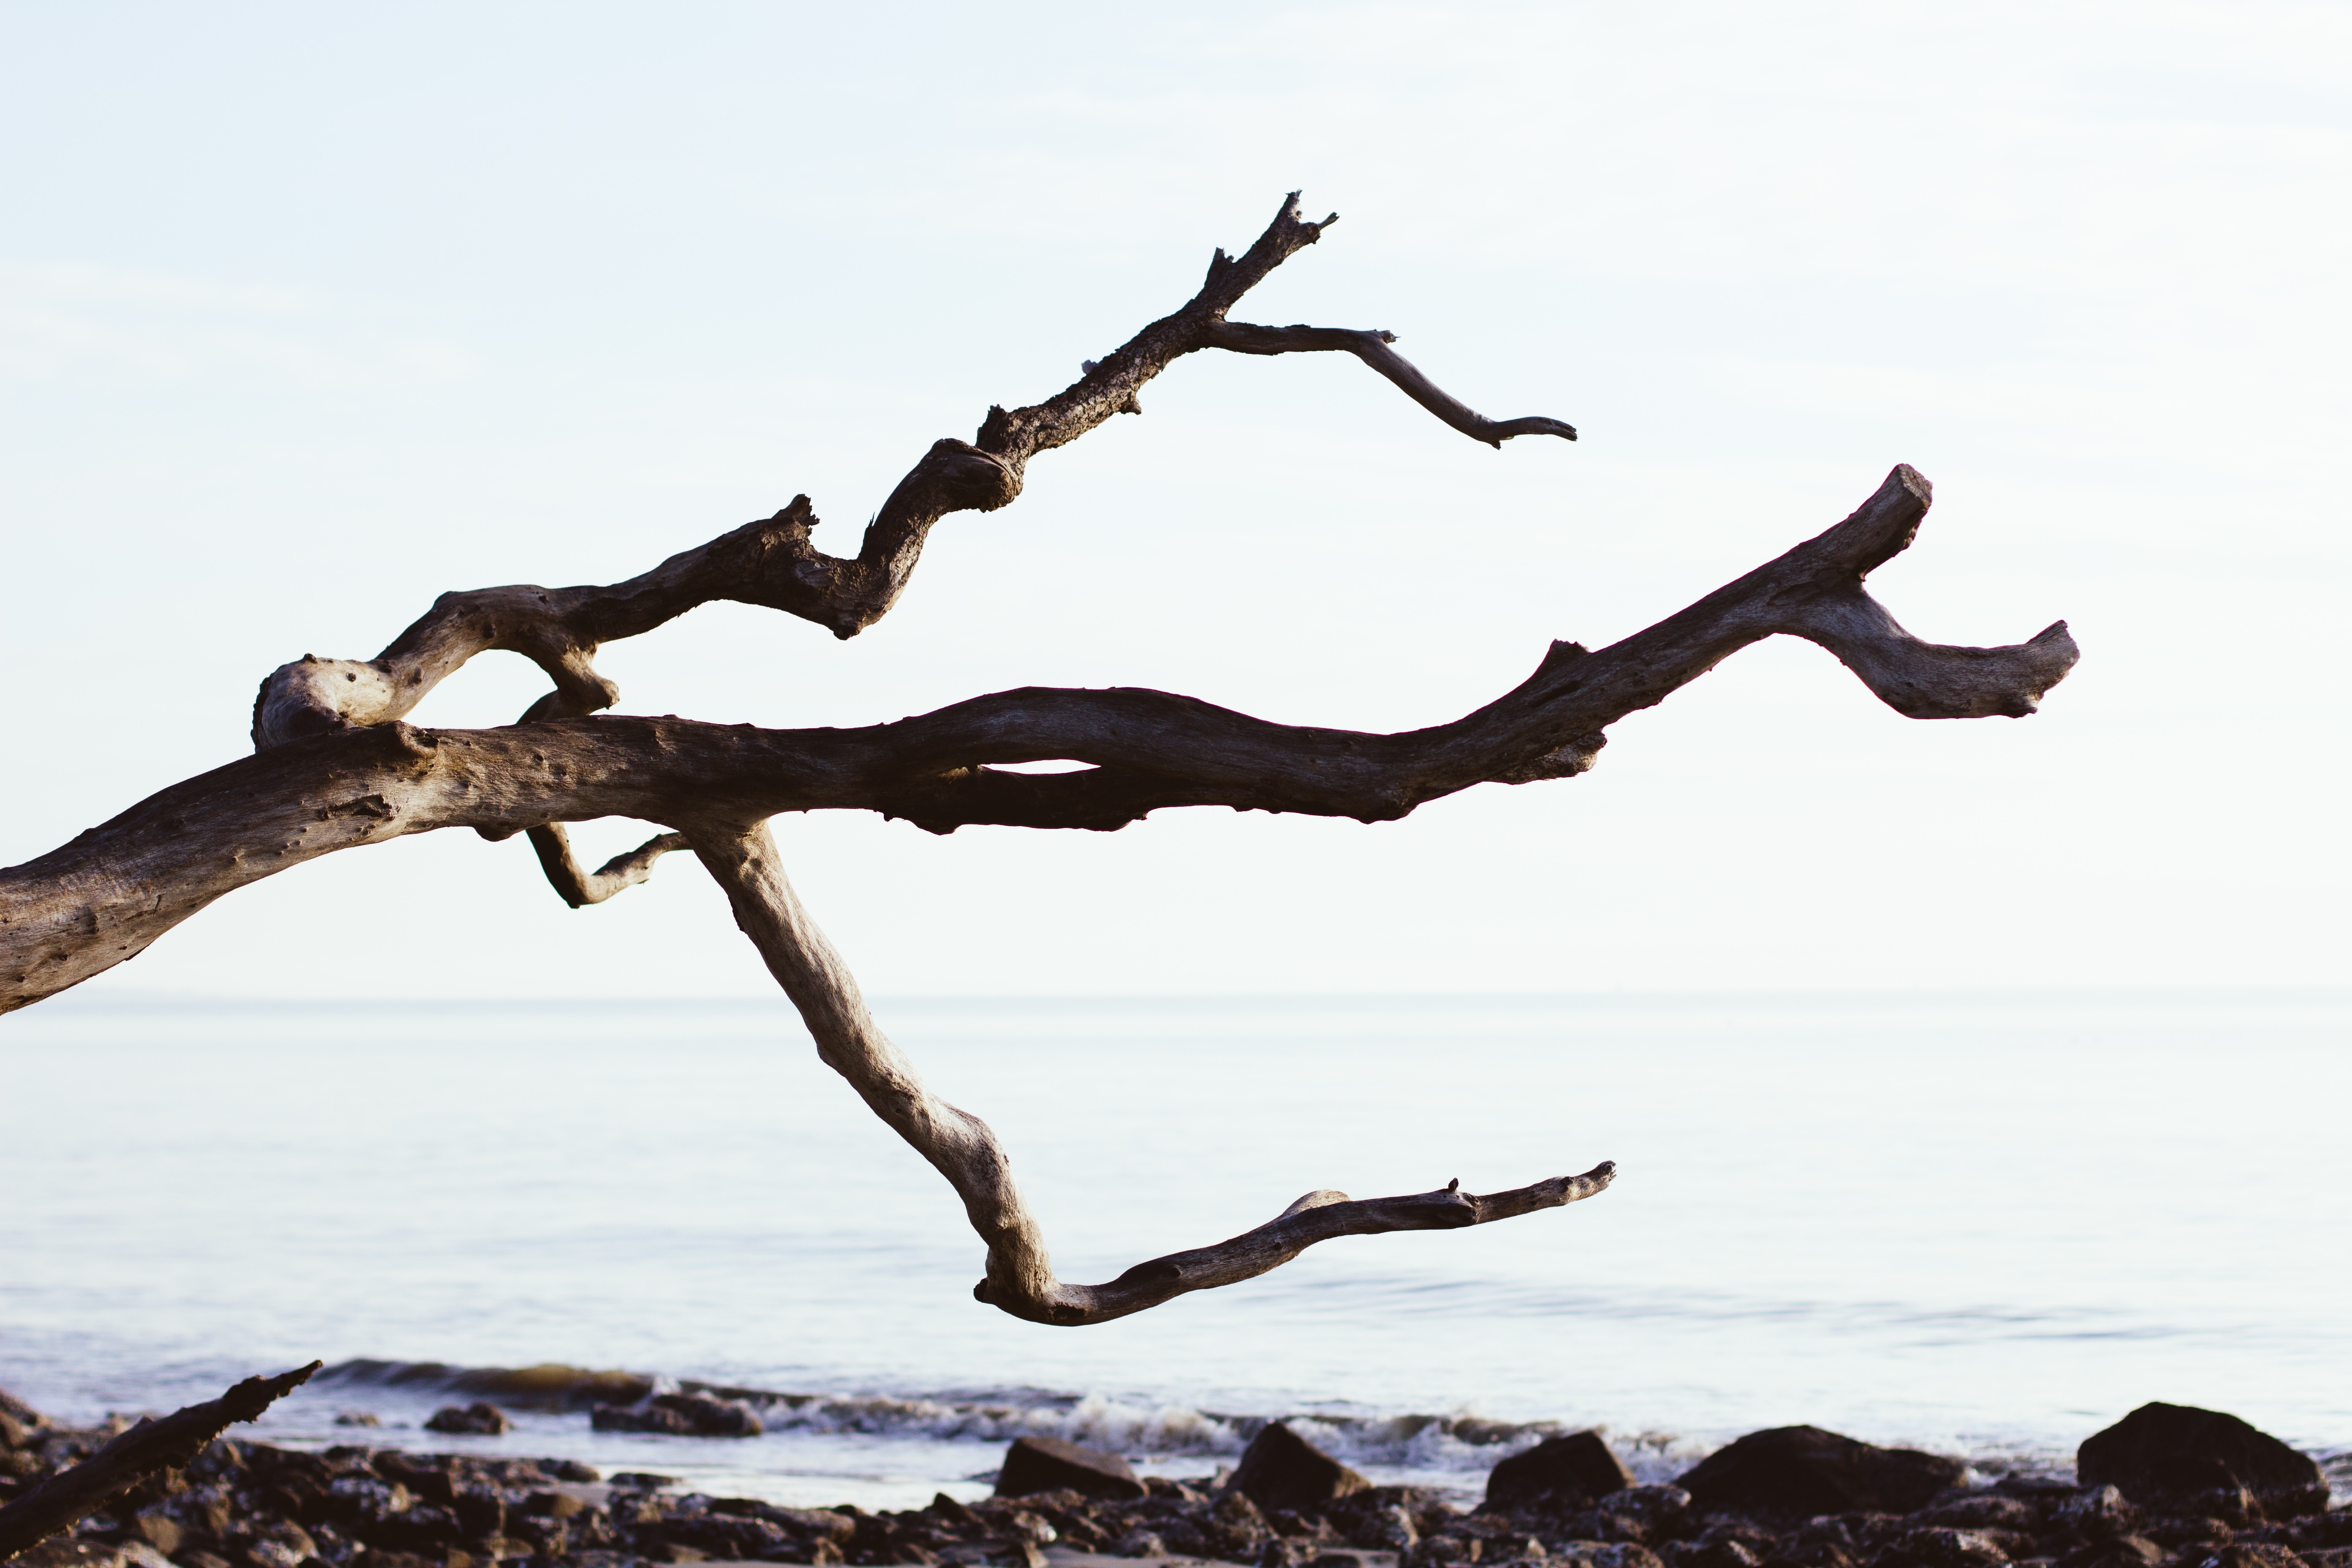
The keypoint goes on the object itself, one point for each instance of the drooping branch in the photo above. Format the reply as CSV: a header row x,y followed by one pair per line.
x,y
773,563
579,887
130,1457
104,897
1372,348
1020,1275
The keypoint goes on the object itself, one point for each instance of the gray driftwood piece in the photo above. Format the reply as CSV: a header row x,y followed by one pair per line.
x,y
336,766
132,1456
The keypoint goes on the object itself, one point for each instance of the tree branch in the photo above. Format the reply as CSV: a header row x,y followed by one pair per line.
x,y
1020,1277
577,887
773,564
102,899
1372,348
72,1495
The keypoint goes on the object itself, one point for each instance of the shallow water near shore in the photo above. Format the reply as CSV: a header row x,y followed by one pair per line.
x,y
1986,1224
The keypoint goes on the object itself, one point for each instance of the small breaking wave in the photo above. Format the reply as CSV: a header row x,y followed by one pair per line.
x,y
1140,1429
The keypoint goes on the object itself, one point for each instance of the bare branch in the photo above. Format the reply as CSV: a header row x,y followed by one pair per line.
x,y
130,1457
102,899
577,887
1372,348
773,563
1020,1277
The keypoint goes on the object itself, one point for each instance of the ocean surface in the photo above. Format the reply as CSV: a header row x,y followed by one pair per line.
x,y
1986,1224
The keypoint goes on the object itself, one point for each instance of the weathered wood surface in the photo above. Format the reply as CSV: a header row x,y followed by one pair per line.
x,y
336,766
132,1456
102,899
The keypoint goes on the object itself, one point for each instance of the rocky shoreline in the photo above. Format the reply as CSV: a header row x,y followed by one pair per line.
x,y
2168,1486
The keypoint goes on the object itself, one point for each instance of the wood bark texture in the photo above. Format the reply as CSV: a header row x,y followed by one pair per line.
x,y
72,1495
336,766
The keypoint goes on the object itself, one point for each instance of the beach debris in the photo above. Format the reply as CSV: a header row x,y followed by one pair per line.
x,y
1049,1464
479,1419
2189,1459
89,1480
1579,1468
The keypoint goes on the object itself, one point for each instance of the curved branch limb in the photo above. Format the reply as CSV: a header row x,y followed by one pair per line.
x,y
94,903
771,563
1020,1273
578,888
130,1457
552,844
1372,348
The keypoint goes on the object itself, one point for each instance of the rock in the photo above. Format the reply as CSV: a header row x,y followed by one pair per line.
x,y
2245,1555
478,1419
357,1419
1982,1511
1390,1528
1048,1464
680,1415
65,1552
162,1532
1805,1470
2167,1455
641,1480
1139,1544
1281,1470
1720,1554
2322,1532
1558,1473
1941,1546
2098,1512
2116,1551
1650,1507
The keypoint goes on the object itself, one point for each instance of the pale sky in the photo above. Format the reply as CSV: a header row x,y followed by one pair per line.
x,y
308,314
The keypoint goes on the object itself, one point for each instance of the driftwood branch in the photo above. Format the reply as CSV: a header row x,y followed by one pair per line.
x,y
1020,1278
74,1494
336,767
773,563
99,899
1372,348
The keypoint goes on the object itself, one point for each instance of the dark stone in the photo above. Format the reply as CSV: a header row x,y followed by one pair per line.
x,y
680,1415
2245,1555
1653,1508
1281,1470
2322,1532
1804,1470
1035,1464
2115,1552
726,1535
478,1419
162,1532
1982,1511
2164,1455
1941,1546
641,1480
1558,1473
1720,1554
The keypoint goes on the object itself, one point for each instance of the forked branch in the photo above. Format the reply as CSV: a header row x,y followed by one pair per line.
x,y
1020,1277
336,766
81,908
774,562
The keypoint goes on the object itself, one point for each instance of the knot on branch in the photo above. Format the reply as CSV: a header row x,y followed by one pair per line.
x,y
956,475
1562,762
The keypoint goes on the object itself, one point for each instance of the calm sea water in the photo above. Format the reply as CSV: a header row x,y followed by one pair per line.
x,y
1983,1224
